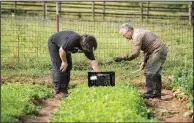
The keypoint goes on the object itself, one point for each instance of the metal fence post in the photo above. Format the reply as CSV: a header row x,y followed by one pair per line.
x,y
57,16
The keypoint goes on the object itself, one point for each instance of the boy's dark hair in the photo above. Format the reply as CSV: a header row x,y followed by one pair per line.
x,y
88,43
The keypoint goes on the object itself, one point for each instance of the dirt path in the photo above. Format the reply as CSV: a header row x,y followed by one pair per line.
x,y
168,108
47,109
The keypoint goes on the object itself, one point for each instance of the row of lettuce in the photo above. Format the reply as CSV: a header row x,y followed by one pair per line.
x,y
121,103
17,100
96,104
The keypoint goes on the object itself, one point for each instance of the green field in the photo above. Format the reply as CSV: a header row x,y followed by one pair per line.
x,y
25,55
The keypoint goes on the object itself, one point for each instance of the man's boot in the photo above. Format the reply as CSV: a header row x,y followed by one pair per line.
x,y
157,86
149,86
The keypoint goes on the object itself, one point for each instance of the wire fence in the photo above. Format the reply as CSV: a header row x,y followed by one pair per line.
x,y
24,38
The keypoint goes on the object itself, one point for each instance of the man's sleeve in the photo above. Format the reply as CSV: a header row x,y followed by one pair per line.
x,y
136,48
89,55
70,42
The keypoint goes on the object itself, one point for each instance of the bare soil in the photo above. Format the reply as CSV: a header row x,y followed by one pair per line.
x,y
170,108
47,109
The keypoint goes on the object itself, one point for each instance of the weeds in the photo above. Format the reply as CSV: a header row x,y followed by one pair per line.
x,y
183,79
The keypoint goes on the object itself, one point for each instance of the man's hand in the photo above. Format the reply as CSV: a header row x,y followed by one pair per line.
x,y
63,66
94,65
142,66
118,59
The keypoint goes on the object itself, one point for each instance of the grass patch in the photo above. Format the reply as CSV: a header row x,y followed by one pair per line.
x,y
121,103
183,79
33,69
16,100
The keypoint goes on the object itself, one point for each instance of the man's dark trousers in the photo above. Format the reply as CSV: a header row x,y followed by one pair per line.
x,y
60,79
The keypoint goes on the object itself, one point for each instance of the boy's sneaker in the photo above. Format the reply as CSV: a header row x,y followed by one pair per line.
x,y
61,95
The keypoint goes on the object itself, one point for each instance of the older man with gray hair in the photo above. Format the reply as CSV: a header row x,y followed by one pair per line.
x,y
155,53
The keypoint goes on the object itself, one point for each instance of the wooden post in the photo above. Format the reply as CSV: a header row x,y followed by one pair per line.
x,y
104,5
141,11
18,44
147,14
15,4
57,16
45,9
59,7
192,20
93,10
190,13
1,45
0,16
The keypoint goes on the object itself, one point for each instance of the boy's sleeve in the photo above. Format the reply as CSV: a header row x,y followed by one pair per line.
x,y
89,55
71,41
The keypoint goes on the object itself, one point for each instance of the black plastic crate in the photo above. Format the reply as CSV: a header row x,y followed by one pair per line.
x,y
101,79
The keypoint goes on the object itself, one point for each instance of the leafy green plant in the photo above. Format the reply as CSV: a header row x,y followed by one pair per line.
x,y
16,100
102,104
183,79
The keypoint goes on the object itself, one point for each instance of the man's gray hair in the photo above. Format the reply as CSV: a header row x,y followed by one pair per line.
x,y
125,27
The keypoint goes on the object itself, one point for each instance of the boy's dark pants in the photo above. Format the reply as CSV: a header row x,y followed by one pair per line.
x,y
60,79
